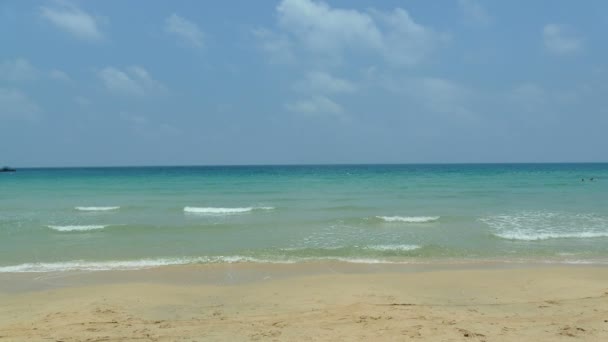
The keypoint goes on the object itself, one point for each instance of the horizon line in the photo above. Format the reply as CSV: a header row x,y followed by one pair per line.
x,y
307,164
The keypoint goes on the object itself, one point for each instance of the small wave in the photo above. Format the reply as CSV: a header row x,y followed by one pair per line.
x,y
130,265
547,236
76,228
96,208
345,208
126,265
381,248
321,248
542,225
409,219
222,211
388,248
364,261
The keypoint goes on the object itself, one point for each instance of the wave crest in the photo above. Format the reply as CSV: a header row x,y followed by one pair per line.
x,y
540,225
222,211
126,265
77,228
97,208
130,265
408,219
392,248
547,236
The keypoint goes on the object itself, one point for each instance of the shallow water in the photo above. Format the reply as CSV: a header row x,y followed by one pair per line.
x,y
129,218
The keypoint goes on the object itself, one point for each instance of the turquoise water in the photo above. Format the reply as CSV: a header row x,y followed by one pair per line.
x,y
126,218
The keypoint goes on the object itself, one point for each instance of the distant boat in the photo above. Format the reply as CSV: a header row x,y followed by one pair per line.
x,y
7,169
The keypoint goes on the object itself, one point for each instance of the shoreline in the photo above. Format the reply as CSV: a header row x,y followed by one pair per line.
x,y
212,261
247,273
243,302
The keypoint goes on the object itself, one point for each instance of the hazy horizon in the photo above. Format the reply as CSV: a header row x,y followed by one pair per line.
x,y
301,164
297,82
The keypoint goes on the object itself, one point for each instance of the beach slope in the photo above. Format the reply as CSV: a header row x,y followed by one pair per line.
x,y
524,304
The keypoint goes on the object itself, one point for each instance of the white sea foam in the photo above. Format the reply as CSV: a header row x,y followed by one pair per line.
x,y
409,219
96,208
383,248
125,265
540,225
547,236
77,228
583,262
351,260
388,248
222,211
326,248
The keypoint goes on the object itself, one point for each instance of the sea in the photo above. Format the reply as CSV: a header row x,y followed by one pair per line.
x,y
126,218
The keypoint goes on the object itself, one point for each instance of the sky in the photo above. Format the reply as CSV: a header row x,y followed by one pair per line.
x,y
108,83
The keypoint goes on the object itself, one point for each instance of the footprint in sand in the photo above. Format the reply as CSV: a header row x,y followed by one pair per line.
x,y
467,333
279,324
572,331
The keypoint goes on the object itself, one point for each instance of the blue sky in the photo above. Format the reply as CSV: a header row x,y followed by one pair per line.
x,y
302,81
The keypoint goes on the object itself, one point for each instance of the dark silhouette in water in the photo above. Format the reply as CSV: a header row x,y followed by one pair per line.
x,y
7,169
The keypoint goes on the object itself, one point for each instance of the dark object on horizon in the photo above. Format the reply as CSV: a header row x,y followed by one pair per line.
x,y
7,169
582,179
591,179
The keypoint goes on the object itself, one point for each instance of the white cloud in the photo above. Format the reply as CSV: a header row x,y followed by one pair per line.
x,y
21,70
322,82
474,12
59,75
17,70
316,105
119,81
316,36
185,30
15,104
560,40
318,85
74,21
277,46
442,96
406,42
325,30
133,80
326,33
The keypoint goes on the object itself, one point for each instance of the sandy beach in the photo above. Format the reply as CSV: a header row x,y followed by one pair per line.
x,y
308,302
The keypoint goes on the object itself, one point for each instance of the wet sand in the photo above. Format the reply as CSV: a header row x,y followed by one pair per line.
x,y
330,302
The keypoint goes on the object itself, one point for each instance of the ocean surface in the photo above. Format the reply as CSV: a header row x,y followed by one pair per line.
x,y
136,217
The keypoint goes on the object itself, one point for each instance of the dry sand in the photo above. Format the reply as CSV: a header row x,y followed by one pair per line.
x,y
522,304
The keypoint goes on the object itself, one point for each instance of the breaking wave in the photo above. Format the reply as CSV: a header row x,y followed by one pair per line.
x,y
540,225
97,208
76,228
222,211
409,219
390,248
128,265
547,236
